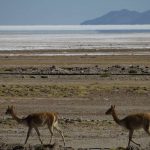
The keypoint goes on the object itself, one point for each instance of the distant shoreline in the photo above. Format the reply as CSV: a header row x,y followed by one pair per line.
x,y
76,52
74,27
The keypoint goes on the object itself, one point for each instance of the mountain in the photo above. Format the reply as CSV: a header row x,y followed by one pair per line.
x,y
121,17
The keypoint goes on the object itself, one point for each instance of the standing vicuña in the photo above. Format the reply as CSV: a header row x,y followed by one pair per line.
x,y
131,122
36,120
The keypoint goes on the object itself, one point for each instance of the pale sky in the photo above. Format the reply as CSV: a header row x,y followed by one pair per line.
x,y
54,12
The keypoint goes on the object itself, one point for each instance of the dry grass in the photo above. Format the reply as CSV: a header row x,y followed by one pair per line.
x,y
70,89
74,60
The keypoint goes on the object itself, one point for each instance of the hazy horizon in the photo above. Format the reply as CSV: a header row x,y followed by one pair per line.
x,y
65,12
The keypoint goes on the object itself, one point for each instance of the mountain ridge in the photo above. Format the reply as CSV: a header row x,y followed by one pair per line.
x,y
120,17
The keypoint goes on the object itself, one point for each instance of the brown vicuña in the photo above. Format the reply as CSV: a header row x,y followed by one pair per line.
x,y
131,122
36,120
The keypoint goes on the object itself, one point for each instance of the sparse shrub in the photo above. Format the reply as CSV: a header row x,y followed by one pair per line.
x,y
132,72
105,75
32,76
44,77
3,85
123,68
9,69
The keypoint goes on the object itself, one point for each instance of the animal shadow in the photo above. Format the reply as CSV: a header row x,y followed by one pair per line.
x,y
36,147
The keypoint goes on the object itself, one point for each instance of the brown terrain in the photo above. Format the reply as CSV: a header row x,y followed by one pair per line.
x,y
80,89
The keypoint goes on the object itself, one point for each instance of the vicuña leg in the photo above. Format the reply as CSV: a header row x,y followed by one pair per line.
x,y
60,132
38,133
130,138
28,134
51,129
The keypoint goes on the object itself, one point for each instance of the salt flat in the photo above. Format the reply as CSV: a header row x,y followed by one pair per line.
x,y
74,37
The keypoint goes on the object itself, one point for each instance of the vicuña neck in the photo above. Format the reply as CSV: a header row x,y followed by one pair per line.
x,y
116,119
16,118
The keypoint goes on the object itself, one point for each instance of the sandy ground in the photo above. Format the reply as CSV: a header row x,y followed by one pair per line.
x,y
95,130
82,118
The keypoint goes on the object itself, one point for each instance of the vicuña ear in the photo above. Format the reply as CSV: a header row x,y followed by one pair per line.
x,y
12,107
114,106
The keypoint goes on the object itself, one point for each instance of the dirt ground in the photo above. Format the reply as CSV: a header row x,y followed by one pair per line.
x,y
82,116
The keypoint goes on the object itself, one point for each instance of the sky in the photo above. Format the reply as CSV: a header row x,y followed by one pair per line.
x,y
62,12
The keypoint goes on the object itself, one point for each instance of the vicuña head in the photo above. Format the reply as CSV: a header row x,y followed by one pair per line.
x,y
131,122
10,111
35,120
110,110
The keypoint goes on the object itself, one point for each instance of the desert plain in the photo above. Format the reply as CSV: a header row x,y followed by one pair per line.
x,y
80,89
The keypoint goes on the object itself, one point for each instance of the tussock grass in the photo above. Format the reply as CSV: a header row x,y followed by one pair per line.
x,y
66,90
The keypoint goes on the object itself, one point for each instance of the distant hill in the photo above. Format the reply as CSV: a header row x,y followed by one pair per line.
x,y
121,17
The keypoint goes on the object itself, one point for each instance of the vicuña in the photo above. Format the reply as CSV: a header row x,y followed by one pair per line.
x,y
36,120
131,122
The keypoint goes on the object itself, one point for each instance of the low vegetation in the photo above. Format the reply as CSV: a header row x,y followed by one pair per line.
x,y
66,90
